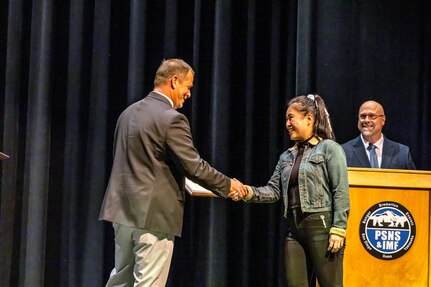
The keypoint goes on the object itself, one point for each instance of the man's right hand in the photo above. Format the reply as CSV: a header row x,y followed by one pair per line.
x,y
237,190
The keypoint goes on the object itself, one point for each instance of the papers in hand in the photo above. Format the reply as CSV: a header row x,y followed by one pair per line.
x,y
3,155
195,189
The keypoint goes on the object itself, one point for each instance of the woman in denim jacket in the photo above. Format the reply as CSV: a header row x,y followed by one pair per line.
x,y
311,177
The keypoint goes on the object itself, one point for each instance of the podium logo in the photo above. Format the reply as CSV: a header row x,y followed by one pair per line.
x,y
387,230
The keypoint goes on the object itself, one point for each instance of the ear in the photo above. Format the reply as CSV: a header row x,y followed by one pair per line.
x,y
309,118
174,82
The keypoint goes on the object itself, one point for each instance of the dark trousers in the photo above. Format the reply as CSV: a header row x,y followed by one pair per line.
x,y
305,254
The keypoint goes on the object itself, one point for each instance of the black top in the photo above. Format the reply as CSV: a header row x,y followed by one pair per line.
x,y
293,189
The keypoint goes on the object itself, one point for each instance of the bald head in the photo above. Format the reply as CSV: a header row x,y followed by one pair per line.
x,y
372,105
371,119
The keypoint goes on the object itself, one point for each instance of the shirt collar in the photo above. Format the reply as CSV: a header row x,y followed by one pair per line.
x,y
170,101
378,144
311,142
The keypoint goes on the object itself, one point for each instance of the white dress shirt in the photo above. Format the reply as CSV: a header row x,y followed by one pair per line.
x,y
379,148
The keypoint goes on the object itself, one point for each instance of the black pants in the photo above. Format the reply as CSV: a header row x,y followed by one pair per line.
x,y
305,254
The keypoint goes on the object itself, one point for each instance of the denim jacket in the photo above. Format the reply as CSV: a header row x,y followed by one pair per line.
x,y
322,181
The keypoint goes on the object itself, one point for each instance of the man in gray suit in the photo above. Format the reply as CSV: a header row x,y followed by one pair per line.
x,y
153,152
371,148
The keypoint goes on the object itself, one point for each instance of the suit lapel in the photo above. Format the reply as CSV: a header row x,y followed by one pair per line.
x,y
387,152
360,154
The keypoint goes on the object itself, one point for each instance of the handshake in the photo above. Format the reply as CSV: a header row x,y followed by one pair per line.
x,y
239,191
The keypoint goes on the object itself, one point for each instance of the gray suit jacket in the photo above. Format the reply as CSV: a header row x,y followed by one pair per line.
x,y
394,155
153,151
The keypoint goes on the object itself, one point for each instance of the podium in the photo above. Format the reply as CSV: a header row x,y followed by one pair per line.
x,y
388,235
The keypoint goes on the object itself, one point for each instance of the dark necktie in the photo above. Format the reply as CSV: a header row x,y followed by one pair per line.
x,y
373,156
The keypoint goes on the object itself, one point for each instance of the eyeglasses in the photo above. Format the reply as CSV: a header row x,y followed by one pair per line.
x,y
372,117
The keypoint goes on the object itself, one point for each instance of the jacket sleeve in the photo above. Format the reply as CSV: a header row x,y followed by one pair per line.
x,y
187,159
339,185
271,191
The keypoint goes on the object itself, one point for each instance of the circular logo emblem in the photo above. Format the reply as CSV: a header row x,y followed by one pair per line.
x,y
387,230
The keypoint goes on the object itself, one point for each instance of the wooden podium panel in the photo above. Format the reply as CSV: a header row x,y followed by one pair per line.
x,y
411,189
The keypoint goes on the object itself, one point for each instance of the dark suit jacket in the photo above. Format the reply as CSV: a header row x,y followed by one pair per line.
x,y
394,155
153,151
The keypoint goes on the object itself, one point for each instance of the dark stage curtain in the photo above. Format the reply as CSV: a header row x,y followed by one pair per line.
x,y
68,69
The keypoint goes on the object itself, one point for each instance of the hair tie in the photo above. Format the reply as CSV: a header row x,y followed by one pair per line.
x,y
313,98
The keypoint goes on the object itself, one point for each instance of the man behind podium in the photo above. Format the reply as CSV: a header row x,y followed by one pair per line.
x,y
153,151
371,148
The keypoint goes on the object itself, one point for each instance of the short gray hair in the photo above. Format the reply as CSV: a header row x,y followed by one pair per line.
x,y
169,68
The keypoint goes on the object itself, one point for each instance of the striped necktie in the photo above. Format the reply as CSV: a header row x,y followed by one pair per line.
x,y
373,156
